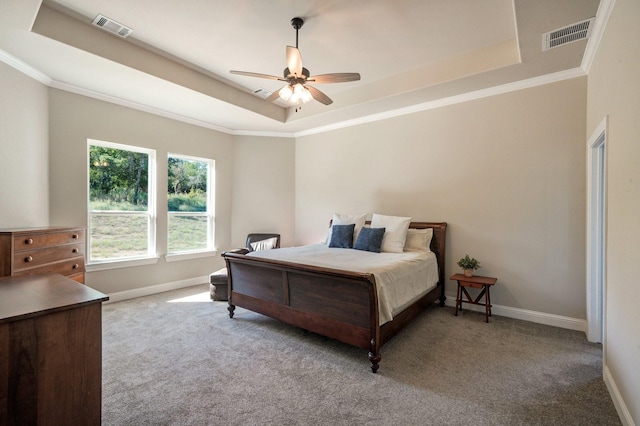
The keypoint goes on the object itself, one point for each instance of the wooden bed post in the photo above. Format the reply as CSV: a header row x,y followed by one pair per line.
x,y
374,326
374,358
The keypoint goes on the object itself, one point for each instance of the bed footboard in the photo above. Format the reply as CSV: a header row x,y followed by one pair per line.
x,y
338,304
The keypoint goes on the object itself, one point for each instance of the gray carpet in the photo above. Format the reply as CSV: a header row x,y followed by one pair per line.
x,y
176,358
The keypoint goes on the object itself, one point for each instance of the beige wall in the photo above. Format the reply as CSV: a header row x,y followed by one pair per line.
x,y
254,180
74,119
263,188
506,172
614,91
24,150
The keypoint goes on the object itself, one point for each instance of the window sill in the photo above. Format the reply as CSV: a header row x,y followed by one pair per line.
x,y
191,255
116,264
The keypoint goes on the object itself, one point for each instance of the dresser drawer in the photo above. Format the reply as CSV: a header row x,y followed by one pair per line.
x,y
35,241
34,258
55,249
67,267
77,277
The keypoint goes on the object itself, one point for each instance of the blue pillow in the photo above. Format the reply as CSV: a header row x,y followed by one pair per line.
x,y
342,236
370,239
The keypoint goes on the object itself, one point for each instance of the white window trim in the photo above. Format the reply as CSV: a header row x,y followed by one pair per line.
x,y
195,254
121,263
210,250
152,252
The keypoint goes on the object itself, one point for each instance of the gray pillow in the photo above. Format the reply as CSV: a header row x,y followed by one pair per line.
x,y
370,239
342,236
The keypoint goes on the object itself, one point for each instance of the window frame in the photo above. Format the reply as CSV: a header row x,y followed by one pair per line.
x,y
151,213
209,213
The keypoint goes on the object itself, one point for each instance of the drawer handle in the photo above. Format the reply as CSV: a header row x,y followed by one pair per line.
x,y
75,250
76,266
28,241
28,259
74,236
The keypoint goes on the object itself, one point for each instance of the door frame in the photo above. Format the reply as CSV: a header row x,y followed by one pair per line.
x,y
596,232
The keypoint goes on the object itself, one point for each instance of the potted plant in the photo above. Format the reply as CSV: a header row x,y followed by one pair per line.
x,y
468,264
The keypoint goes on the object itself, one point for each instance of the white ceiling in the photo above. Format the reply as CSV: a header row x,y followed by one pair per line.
x,y
177,60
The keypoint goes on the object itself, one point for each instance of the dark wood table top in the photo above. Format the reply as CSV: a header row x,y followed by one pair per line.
x,y
33,295
474,279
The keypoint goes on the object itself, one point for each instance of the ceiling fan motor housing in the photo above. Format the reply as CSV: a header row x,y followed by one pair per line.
x,y
293,79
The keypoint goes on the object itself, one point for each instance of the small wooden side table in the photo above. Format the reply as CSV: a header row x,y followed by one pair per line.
x,y
475,281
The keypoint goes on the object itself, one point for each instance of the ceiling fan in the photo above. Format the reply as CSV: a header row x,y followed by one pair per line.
x,y
297,91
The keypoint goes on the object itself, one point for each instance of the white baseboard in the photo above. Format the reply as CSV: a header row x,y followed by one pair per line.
x,y
147,291
618,402
526,315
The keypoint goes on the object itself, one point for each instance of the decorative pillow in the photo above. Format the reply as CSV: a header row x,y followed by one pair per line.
x,y
342,236
418,240
396,231
369,239
267,244
347,219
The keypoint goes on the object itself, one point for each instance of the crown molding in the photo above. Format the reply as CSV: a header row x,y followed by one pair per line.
x,y
24,68
452,100
602,17
137,106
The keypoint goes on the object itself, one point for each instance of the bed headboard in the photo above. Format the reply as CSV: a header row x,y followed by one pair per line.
x,y
438,242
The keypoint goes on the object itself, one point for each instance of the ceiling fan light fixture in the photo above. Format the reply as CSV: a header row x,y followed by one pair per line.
x,y
295,95
285,93
301,94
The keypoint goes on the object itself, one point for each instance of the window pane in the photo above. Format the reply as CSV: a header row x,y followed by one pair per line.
x,y
187,191
187,232
121,201
118,179
189,215
118,235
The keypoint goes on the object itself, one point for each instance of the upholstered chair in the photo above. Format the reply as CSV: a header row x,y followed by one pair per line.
x,y
219,280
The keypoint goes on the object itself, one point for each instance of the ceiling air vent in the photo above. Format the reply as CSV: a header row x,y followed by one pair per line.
x,y
569,34
264,94
112,26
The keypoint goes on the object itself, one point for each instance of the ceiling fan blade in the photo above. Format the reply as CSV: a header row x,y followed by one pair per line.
x,y
319,96
339,77
272,97
255,74
294,61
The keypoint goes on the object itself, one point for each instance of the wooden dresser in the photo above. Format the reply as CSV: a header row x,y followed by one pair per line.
x,y
50,351
29,251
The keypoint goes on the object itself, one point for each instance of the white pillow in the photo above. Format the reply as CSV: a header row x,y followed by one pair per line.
x,y
348,219
395,232
267,244
418,240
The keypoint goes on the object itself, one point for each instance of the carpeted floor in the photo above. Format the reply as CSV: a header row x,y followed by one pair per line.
x,y
176,358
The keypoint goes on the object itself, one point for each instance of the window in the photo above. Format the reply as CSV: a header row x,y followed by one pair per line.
x,y
121,202
189,204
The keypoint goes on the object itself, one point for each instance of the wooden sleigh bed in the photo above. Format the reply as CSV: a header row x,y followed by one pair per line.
x,y
338,304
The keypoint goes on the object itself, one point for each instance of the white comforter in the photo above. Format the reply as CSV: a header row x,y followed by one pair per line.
x,y
401,278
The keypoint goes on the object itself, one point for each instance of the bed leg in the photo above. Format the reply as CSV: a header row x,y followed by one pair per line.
x,y
231,308
442,299
375,360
